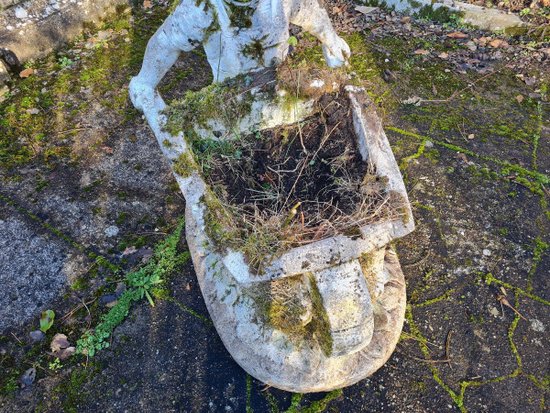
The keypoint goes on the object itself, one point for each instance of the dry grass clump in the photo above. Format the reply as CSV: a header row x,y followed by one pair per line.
x,y
291,186
308,81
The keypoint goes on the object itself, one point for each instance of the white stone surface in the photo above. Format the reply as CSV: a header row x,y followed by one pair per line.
x,y
33,28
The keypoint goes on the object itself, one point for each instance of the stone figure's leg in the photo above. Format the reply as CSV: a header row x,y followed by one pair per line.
x,y
313,18
181,31
160,56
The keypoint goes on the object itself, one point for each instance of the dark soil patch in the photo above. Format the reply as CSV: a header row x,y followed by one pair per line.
x,y
280,167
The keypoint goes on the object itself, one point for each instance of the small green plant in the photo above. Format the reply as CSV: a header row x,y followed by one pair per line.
x,y
10,384
293,41
55,365
65,62
142,283
524,12
46,320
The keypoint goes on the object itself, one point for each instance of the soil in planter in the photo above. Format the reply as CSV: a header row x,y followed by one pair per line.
x,y
289,186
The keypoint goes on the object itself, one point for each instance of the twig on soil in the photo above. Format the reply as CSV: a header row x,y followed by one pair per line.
x,y
431,361
325,139
89,314
304,164
251,88
17,338
78,307
265,388
448,348
426,360
64,132
37,366
504,301
410,336
152,233
418,262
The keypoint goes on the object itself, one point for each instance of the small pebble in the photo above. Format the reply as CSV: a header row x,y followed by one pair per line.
x,y
21,13
28,377
36,336
537,325
111,231
108,300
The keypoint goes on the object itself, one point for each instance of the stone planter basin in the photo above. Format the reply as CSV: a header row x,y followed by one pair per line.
x,y
348,293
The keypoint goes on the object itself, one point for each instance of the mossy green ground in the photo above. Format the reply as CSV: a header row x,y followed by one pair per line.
x,y
481,208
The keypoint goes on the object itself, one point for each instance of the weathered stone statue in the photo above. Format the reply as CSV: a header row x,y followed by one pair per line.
x,y
345,293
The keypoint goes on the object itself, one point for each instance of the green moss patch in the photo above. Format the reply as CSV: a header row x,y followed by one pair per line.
x,y
37,122
294,306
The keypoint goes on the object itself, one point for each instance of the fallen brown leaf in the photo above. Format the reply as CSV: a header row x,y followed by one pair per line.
x,y
61,348
457,35
147,4
498,43
26,73
504,301
462,157
422,52
519,98
129,250
66,353
59,343
483,41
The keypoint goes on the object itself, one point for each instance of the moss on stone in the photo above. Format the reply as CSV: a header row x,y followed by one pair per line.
x,y
214,26
279,305
218,101
72,392
439,14
37,122
9,379
218,222
240,16
185,165
320,324
255,51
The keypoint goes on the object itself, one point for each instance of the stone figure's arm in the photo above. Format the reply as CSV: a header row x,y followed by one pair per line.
x,y
314,19
183,31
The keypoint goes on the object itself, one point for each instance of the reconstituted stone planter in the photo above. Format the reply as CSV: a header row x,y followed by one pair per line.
x,y
349,290
357,279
